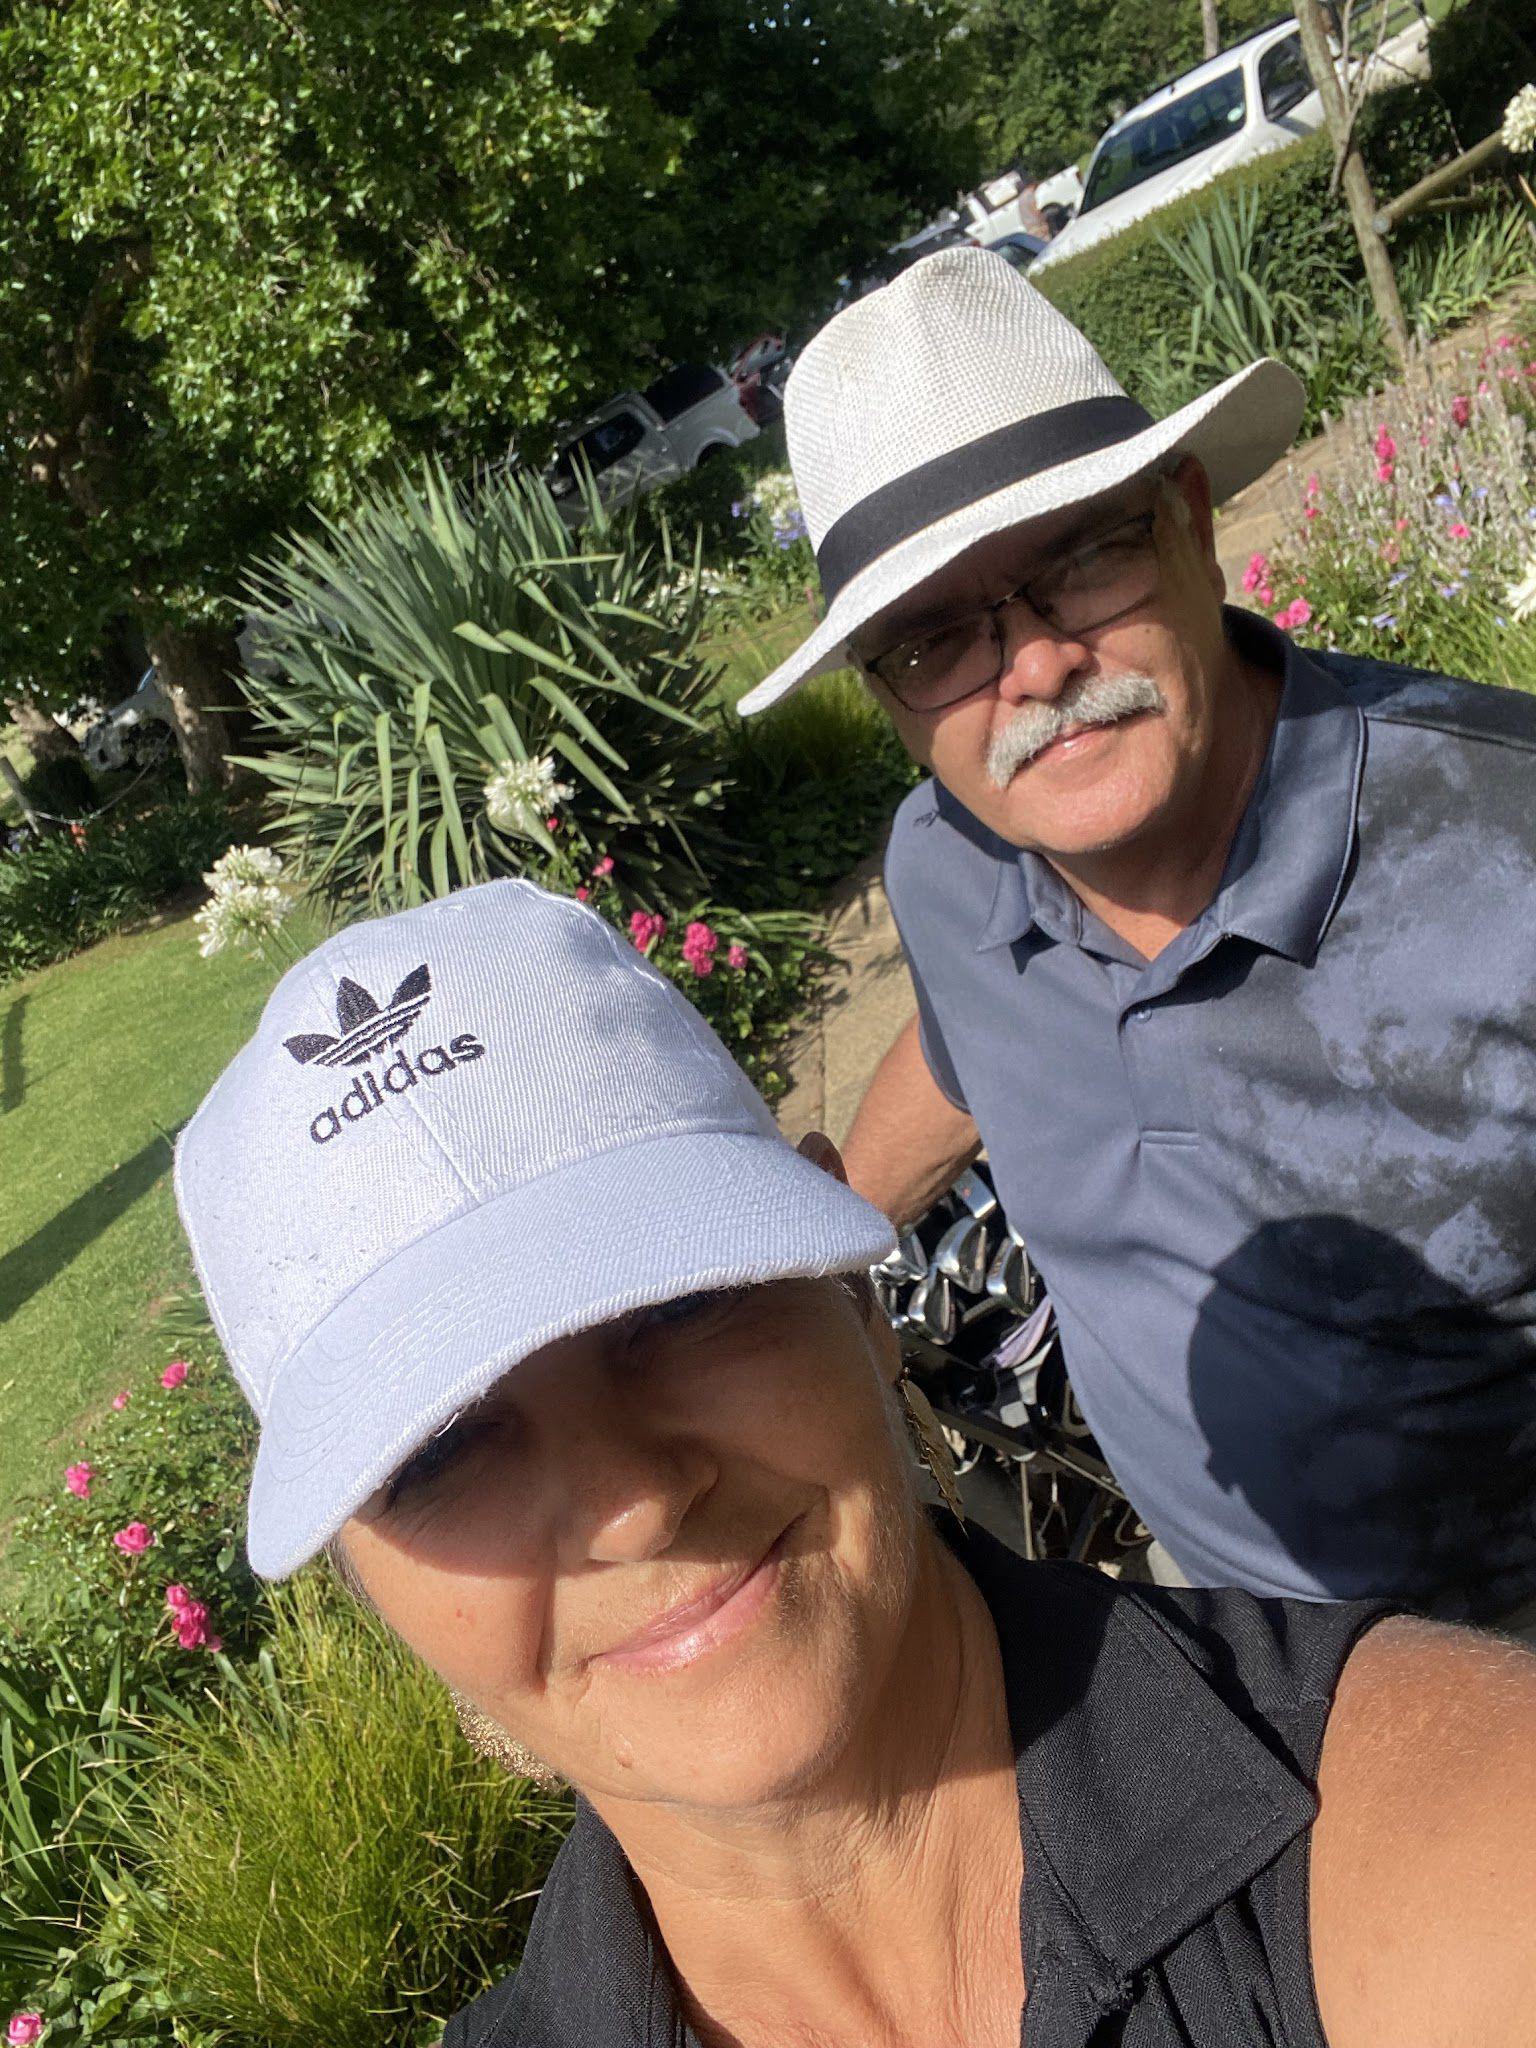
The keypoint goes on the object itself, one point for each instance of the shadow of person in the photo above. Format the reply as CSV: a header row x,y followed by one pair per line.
x,y
1394,1449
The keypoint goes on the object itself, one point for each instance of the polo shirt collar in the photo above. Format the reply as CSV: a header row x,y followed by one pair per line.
x,y
1145,1803
1290,857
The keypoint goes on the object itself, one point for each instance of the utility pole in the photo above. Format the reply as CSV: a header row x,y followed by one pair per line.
x,y
1341,103
1211,28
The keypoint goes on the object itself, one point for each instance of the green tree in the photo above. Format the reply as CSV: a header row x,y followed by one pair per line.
x,y
252,251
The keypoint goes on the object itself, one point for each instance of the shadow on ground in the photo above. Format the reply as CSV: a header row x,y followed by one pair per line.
x,y
28,1268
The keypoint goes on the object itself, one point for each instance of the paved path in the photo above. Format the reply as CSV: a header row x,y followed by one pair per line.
x,y
868,996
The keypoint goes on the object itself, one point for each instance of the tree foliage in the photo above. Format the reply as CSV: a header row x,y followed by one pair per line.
x,y
254,248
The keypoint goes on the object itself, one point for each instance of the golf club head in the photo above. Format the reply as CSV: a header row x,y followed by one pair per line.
x,y
972,1190
939,1315
1011,1278
962,1254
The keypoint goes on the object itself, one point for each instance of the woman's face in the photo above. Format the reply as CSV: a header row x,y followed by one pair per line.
x,y
672,1555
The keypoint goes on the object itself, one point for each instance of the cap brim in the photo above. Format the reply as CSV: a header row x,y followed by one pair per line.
x,y
450,1314
1237,430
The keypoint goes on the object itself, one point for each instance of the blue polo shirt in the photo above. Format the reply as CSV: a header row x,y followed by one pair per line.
x,y
1281,1180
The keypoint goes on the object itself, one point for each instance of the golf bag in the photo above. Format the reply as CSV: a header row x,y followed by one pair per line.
x,y
979,1335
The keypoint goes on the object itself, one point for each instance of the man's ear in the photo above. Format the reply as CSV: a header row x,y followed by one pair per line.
x,y
820,1150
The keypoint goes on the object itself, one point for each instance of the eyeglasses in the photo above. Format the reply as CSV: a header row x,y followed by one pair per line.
x,y
1095,583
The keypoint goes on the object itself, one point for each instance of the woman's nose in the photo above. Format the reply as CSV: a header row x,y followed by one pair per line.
x,y
625,1489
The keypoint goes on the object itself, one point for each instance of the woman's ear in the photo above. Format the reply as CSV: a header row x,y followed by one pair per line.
x,y
820,1150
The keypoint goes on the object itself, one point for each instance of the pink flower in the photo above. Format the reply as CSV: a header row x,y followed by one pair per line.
x,y
120,1401
1505,341
213,1643
1384,471
1459,530
1309,512
1461,410
551,824
24,2029
646,928
174,1373
1402,524
1256,572
699,944
1390,551
176,1597
1314,485
1265,595
1386,447
78,1479
582,894
604,867
737,957
189,1620
137,1537
1296,613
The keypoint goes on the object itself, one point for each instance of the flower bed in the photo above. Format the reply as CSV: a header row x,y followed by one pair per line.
x,y
1422,548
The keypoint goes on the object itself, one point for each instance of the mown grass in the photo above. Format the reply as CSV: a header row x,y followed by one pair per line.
x,y
102,1058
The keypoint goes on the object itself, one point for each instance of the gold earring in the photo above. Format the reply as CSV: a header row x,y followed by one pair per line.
x,y
932,1449
488,1738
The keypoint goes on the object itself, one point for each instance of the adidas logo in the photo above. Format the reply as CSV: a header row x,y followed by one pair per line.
x,y
367,1029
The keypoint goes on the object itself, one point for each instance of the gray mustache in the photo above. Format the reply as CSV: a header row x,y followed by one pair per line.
x,y
1096,700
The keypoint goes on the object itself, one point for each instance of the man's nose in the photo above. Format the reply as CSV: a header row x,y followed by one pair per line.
x,y
1038,661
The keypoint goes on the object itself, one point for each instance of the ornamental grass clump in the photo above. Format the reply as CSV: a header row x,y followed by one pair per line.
x,y
325,1859
456,683
1415,548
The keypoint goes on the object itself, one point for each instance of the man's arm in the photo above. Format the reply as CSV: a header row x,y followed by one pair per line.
x,y
1423,1873
908,1139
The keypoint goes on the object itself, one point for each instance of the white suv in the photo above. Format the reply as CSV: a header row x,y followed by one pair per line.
x,y
1255,97
644,438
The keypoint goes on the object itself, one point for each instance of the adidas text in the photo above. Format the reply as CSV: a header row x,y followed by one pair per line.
x,y
368,1091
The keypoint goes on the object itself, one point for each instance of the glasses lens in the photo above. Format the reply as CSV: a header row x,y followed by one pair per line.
x,y
941,668
1098,582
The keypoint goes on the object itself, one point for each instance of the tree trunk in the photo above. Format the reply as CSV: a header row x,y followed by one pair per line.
x,y
196,668
1353,178
45,737
1210,28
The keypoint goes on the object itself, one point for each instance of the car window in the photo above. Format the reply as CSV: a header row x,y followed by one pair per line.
x,y
603,445
1283,78
1170,136
689,384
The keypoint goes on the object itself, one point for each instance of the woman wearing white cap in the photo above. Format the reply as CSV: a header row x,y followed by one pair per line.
x,y
573,1359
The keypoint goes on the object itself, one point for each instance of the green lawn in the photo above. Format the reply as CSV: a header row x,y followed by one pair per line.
x,y
102,1058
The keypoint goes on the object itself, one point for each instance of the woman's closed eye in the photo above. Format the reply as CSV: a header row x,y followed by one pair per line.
x,y
436,1455
683,1310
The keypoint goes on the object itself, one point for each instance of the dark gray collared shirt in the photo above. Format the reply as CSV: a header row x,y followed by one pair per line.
x,y
1281,1180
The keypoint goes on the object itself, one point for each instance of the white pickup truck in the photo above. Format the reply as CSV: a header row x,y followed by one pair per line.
x,y
644,438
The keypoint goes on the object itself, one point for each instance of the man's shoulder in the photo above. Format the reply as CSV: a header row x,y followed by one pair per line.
x,y
935,845
1391,694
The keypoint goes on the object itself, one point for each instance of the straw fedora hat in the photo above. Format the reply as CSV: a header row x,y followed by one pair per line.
x,y
957,401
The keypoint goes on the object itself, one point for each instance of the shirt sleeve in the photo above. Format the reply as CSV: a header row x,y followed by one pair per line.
x,y
931,1040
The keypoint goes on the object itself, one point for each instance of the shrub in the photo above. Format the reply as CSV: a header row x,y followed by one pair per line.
x,y
62,788
704,502
324,1858
1480,55
175,1461
66,891
1411,554
815,781
441,637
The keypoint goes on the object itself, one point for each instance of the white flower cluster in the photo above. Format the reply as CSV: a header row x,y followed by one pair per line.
x,y
522,794
1520,121
245,906
776,495
1521,596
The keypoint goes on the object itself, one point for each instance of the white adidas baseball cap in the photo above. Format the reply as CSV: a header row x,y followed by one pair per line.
x,y
459,1133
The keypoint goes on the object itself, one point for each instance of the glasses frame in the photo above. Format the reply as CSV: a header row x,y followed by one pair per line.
x,y
991,613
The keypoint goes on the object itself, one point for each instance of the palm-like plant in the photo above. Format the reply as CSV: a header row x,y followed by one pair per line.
x,y
445,633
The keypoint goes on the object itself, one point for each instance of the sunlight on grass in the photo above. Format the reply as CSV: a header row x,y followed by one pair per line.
x,y
102,1059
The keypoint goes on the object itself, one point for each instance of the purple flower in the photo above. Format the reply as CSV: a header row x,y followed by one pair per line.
x,y
1385,619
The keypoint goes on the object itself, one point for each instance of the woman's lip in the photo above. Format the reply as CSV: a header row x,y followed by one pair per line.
x,y
695,1626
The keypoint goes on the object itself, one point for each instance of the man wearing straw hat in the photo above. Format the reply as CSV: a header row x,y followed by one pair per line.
x,y
1222,948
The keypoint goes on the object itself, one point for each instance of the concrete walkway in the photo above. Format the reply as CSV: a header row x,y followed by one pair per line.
x,y
868,995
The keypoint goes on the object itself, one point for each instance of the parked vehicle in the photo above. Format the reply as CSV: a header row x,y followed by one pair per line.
x,y
758,369
1020,250
645,438
1253,98
135,733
